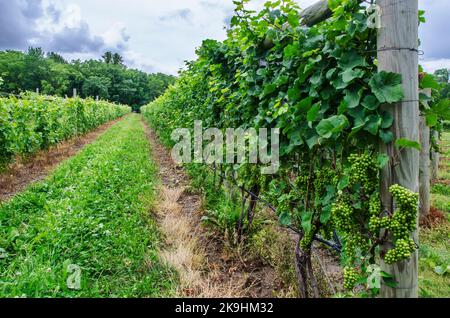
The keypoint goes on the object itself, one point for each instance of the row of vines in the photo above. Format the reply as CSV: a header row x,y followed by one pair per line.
x,y
321,87
33,122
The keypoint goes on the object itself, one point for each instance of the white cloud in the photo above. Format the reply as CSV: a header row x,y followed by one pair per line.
x,y
430,66
117,37
161,34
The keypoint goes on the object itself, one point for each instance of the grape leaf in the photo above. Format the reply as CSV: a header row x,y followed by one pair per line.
x,y
352,98
406,143
387,87
333,125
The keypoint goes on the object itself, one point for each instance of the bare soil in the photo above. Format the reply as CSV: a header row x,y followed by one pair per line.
x,y
25,171
433,219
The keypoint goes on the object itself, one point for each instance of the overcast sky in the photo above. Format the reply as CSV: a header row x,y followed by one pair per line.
x,y
158,35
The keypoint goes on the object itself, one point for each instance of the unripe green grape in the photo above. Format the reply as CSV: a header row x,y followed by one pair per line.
x,y
375,205
350,278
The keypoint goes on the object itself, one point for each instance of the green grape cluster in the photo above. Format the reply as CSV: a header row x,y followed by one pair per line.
x,y
355,244
350,278
364,170
404,196
405,218
342,213
375,204
327,231
398,226
322,179
403,250
376,223
403,222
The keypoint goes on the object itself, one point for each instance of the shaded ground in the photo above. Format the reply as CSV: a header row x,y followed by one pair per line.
x,y
432,220
35,168
207,267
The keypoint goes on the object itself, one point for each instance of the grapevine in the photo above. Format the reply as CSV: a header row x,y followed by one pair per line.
x,y
350,218
321,87
35,122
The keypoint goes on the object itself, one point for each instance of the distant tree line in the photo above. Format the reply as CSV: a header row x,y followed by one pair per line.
x,y
109,78
443,77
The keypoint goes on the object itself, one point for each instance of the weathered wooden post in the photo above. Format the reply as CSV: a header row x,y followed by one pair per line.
x,y
37,90
398,52
425,169
74,93
435,156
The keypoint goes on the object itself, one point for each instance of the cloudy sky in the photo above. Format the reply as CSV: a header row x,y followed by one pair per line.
x,y
157,35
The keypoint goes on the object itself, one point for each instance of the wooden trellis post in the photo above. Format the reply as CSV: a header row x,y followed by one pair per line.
x,y
316,13
398,52
435,161
425,164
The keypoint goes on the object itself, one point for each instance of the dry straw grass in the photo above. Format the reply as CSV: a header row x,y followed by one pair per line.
x,y
184,252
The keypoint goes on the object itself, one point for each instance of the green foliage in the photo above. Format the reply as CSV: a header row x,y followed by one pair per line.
x,y
436,108
53,75
405,143
93,211
222,211
113,58
320,86
34,122
387,87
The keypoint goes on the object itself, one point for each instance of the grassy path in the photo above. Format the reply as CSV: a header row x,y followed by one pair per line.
x,y
36,167
434,265
92,212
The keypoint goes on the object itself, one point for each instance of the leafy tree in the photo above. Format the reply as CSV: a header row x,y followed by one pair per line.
x,y
36,67
109,78
55,57
12,70
107,57
96,86
442,75
62,79
117,59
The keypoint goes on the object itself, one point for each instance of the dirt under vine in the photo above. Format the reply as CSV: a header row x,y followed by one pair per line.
x,y
217,270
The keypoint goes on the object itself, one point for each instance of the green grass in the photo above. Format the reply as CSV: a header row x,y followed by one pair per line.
x,y
93,211
435,244
435,257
